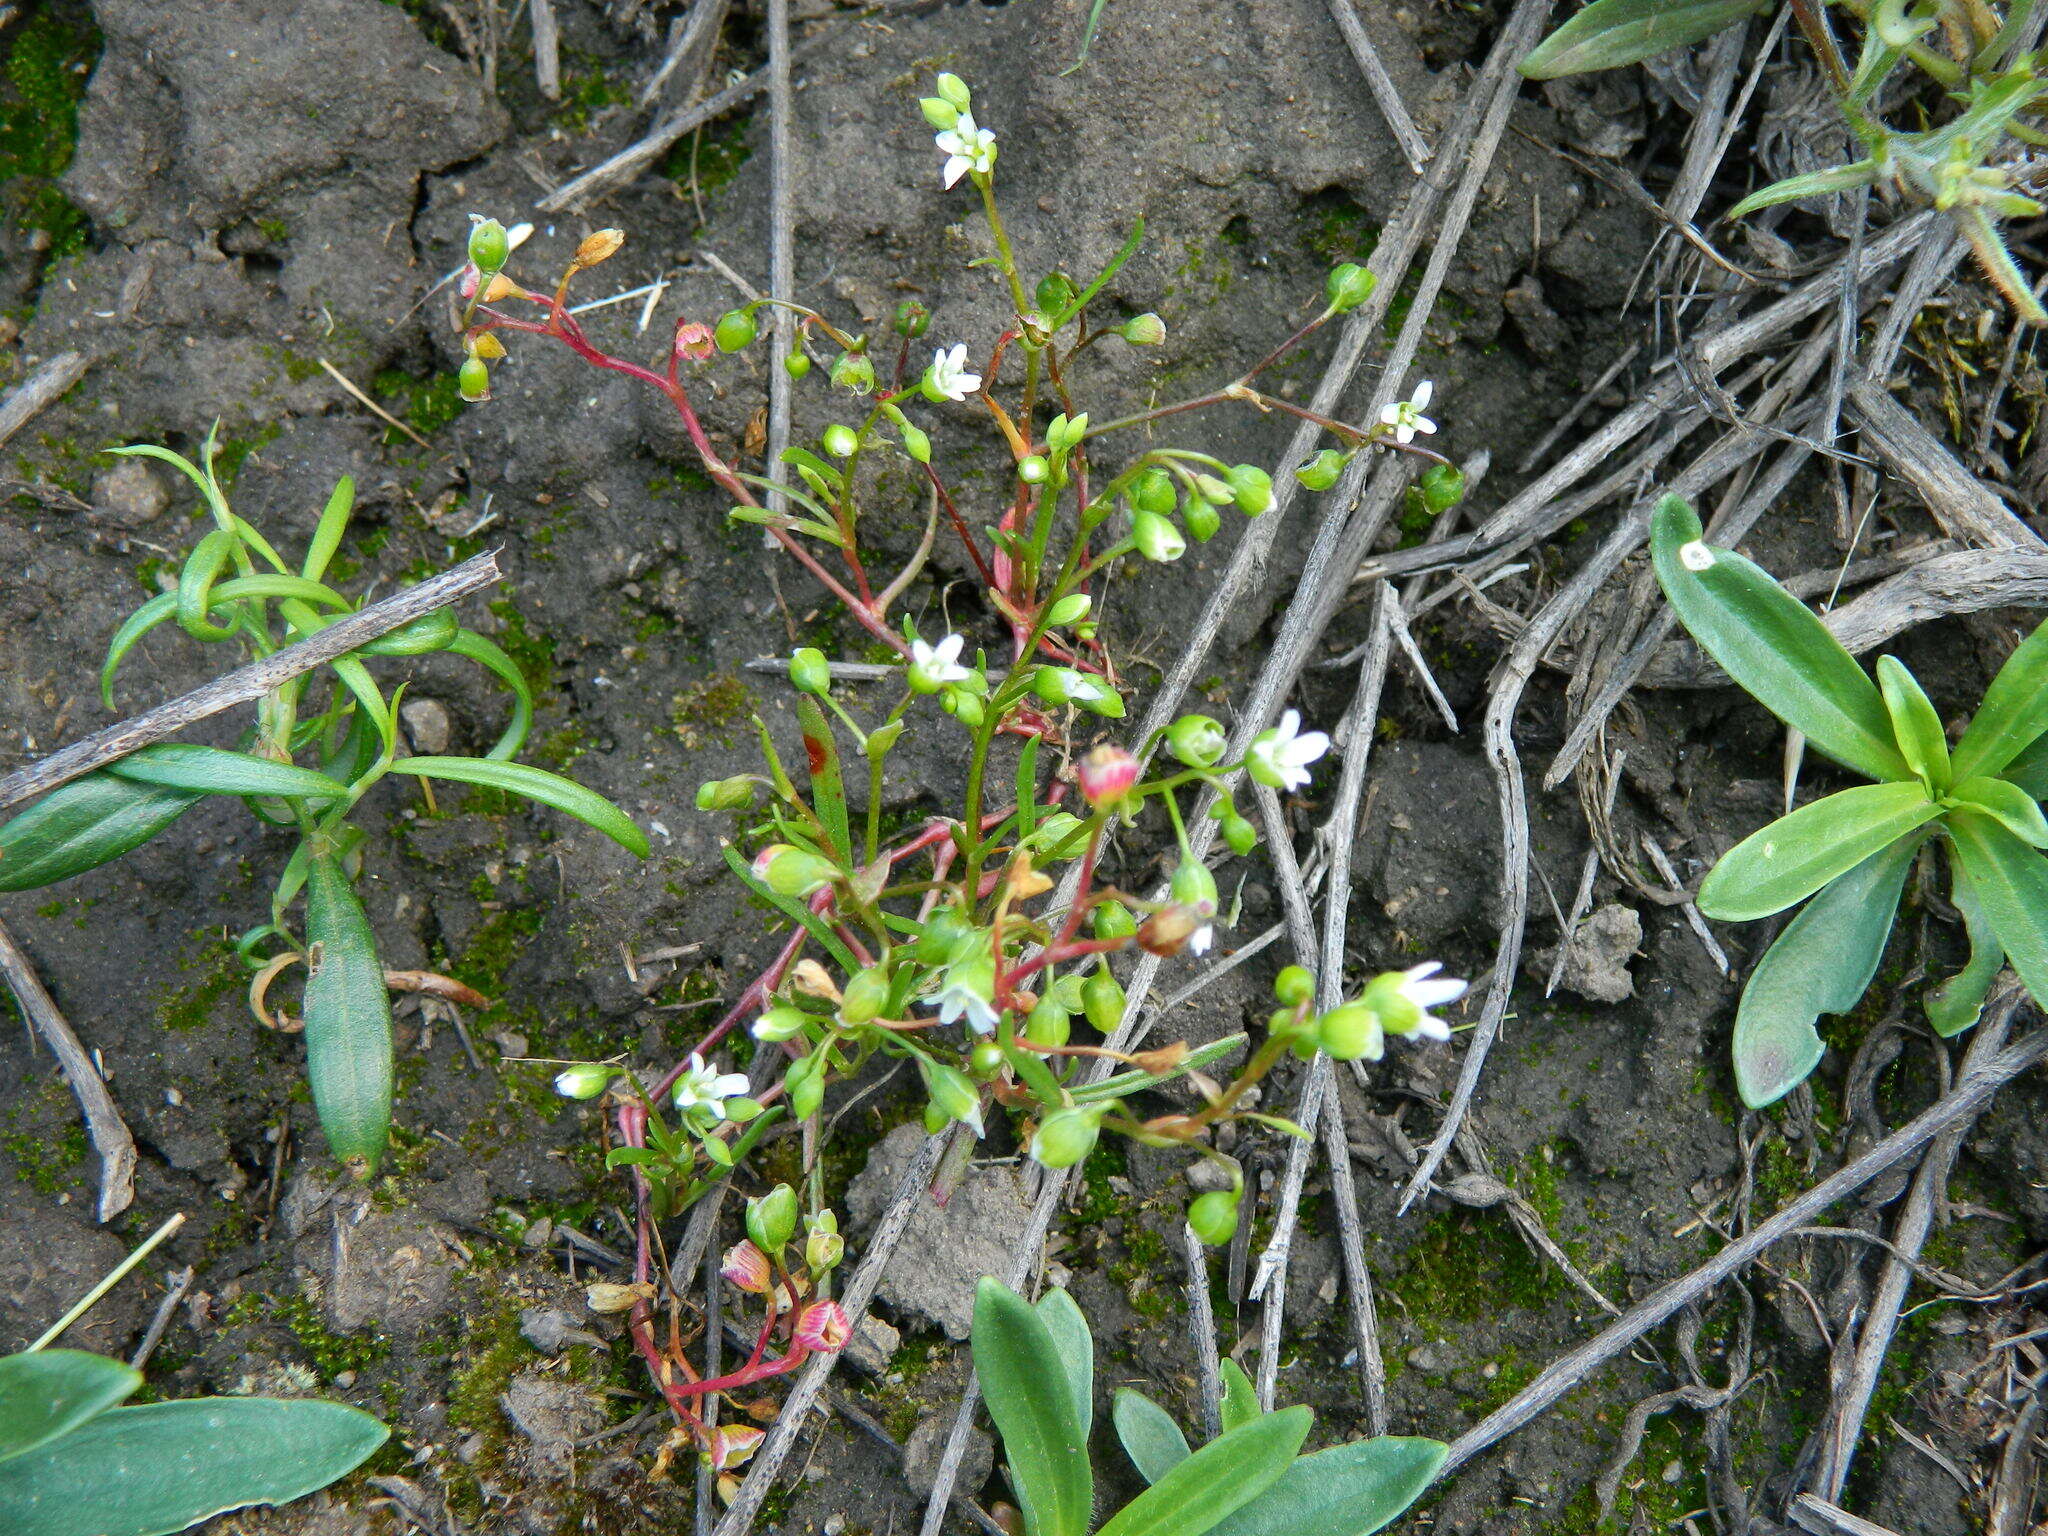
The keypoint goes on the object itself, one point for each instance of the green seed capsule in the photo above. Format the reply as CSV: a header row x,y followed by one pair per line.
x,y
771,1219
736,328
1348,286
1214,1216
1294,985
797,365
488,245
1153,491
1102,1000
1203,520
473,380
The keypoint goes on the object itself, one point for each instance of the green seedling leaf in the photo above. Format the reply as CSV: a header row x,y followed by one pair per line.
x,y
2014,807
1956,1004
1027,789
327,533
348,1018
1773,646
161,1467
2029,769
2014,714
212,771
51,1392
2011,882
1240,1397
1798,854
1033,1407
165,605
828,782
1075,1347
209,557
491,657
1031,1067
83,824
1611,33
369,700
795,911
1148,1434
1347,1490
423,636
1124,1084
1916,728
1124,253
1837,178
550,789
1216,1481
1821,963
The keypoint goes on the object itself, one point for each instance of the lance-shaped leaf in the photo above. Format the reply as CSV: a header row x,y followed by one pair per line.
x,y
1916,728
1075,1347
1955,1005
1216,1481
50,1392
2011,882
1347,1490
1798,854
1124,1084
81,825
828,781
2029,768
1148,1434
1772,646
1821,963
348,1018
1033,1407
2008,803
550,789
1240,1397
2014,714
1610,33
212,771
328,531
161,1467
1838,178
487,654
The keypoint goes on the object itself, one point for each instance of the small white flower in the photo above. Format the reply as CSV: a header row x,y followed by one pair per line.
x,y
1280,757
702,1088
965,995
967,148
949,375
934,666
1405,416
1416,987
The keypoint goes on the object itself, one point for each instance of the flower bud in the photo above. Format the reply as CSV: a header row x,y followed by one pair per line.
x,y
1066,1136
1156,538
951,1093
1348,286
736,328
867,994
780,1023
1214,1216
1251,488
1212,488
599,245
1146,330
1442,487
789,871
1197,740
1070,609
984,1060
945,934
1350,1031
810,672
473,380
1048,1023
1239,834
1194,887
939,112
797,365
606,1297
771,1219
585,1080
1111,919
1106,775
840,440
823,1246
1321,472
912,318
733,1445
965,707
488,244
823,1326
1295,985
915,442
1033,468
954,89
745,1268
853,371
1153,491
1102,1000
1167,931
804,1083
1203,520
1055,292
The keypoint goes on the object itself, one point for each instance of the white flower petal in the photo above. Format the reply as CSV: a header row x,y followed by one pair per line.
x,y
1390,416
956,167
1422,393
1433,994
1429,1027
1424,424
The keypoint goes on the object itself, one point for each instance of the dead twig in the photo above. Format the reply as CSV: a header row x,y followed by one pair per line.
x,y
1202,1324
39,391
1965,506
1414,148
547,48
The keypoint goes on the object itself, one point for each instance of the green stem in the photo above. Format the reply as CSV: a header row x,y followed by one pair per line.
x,y
113,1278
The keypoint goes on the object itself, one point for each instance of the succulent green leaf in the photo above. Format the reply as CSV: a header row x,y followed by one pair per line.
x,y
2014,714
48,1393
133,628
1611,33
1821,963
1916,728
1148,1434
1347,1490
328,531
83,824
2011,882
1240,1397
1773,646
213,771
161,1467
489,655
1033,1407
348,1018
1216,1481
1076,1347
1836,178
550,789
196,577
1955,1005
2029,768
2010,804
828,782
1796,855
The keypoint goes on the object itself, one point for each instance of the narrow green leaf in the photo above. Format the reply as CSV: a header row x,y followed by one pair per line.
x,y
1027,788
369,699
1034,1409
1216,1481
1240,1397
1148,1434
161,1467
2029,768
195,585
1772,646
1955,1005
1821,963
550,789
1076,1349
83,824
795,911
1123,254
828,782
425,635
212,771
1916,728
133,628
1610,33
489,655
52,1391
2011,805
1124,1084
1798,854
327,533
2011,882
2014,714
1347,1490
348,1018
1836,178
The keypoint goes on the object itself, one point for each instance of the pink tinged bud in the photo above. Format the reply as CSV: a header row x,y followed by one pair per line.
x,y
746,1268
470,278
695,341
733,1444
1106,776
824,1325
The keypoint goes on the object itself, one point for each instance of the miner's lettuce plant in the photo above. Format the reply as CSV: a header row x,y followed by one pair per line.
x,y
1035,1363
1847,855
234,588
